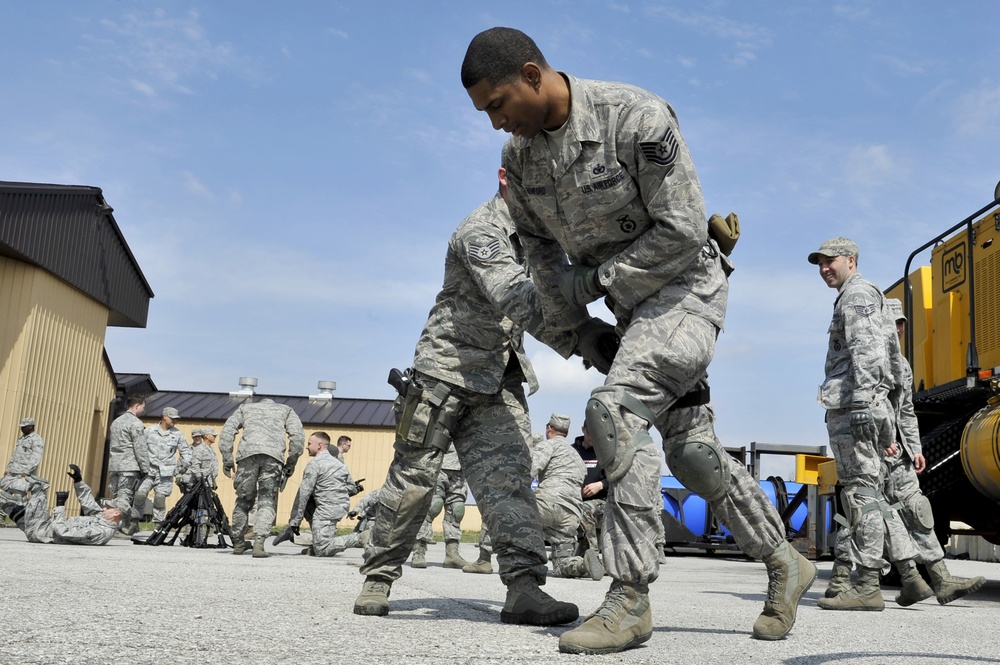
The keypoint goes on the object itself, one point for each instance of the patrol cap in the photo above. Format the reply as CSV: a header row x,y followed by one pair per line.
x,y
835,247
208,430
171,412
197,431
895,308
120,504
559,422
25,422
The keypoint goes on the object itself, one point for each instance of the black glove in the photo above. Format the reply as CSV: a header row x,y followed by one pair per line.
x,y
579,285
358,487
75,474
353,514
287,534
61,498
597,342
863,427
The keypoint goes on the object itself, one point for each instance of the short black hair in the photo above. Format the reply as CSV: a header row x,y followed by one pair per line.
x,y
135,400
498,55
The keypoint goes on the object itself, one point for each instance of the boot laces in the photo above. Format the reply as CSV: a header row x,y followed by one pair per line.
x,y
614,606
775,582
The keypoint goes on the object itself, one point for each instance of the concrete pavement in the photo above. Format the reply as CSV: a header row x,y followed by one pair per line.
x,y
133,604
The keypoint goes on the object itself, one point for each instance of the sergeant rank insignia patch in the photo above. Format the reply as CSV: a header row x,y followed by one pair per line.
x,y
865,310
484,252
661,152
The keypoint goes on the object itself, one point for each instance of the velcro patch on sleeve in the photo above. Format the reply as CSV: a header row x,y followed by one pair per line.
x,y
865,310
484,252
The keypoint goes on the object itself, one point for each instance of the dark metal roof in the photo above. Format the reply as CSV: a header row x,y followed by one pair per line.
x,y
219,406
69,231
135,384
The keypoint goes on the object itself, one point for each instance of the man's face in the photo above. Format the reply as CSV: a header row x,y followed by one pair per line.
x,y
140,409
168,422
344,447
517,108
27,429
208,439
836,269
313,445
111,514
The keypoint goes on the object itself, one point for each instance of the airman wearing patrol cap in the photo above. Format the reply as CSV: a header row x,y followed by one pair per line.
x,y
23,464
164,442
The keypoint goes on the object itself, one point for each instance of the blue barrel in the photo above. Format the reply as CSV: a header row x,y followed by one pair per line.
x,y
692,511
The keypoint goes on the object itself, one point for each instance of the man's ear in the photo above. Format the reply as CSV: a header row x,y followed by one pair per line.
x,y
531,73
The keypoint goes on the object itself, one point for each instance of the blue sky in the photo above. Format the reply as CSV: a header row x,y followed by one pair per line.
x,y
288,174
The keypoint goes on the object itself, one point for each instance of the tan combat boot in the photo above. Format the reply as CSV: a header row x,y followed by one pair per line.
x,y
840,578
789,576
258,547
373,600
481,566
948,588
914,588
527,604
419,557
865,596
624,620
240,546
452,557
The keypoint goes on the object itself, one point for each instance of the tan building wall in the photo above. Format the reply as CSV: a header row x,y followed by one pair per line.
x,y
52,369
369,458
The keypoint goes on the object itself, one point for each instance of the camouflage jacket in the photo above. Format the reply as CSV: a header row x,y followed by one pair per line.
x,y
622,196
557,466
128,445
901,396
204,463
27,454
89,529
265,425
329,483
858,370
487,300
164,446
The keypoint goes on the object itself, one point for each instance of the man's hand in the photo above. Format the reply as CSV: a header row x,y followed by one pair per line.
x,y
592,489
228,470
919,463
597,343
579,285
74,473
288,534
891,450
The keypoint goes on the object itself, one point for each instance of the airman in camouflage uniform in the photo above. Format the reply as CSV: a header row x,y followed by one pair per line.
x,y
165,443
449,495
860,419
610,184
97,526
129,456
204,462
466,389
560,472
24,461
911,539
262,464
364,512
327,485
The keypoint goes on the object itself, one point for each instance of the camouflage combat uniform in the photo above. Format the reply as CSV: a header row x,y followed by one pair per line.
x,y
450,494
260,458
129,457
90,529
470,359
21,469
164,446
560,472
365,510
859,374
329,484
619,193
204,465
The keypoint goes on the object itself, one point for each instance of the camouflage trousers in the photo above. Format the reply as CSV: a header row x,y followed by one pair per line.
x,y
591,521
123,485
162,487
14,489
902,489
449,493
873,528
664,354
256,484
324,537
560,510
490,435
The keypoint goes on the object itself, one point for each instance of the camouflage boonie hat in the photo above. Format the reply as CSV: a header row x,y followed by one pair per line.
x,y
25,422
895,308
171,412
559,422
835,247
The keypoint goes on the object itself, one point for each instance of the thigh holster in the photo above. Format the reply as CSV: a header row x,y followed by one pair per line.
x,y
427,417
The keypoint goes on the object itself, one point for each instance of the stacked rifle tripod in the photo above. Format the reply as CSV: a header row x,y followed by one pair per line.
x,y
201,511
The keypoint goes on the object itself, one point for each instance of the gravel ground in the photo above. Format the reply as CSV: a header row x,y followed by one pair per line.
x,y
132,604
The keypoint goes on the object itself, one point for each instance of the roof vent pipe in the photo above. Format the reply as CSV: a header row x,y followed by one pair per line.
x,y
247,384
326,389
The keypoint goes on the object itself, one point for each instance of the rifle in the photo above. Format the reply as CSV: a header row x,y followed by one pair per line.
x,y
198,509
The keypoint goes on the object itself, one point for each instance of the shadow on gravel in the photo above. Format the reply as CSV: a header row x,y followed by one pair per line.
x,y
881,657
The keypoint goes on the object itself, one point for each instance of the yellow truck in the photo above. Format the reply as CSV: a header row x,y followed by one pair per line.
x,y
953,344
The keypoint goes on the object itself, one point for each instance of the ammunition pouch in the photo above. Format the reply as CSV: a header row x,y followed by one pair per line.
x,y
700,463
606,428
428,416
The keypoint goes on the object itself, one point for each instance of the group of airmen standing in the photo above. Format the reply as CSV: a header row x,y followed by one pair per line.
x,y
598,200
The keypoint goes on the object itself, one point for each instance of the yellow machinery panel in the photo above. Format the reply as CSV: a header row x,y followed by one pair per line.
x,y
807,468
953,275
920,322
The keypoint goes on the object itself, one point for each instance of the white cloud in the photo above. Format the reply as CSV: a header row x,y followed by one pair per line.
x,y
977,112
196,186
